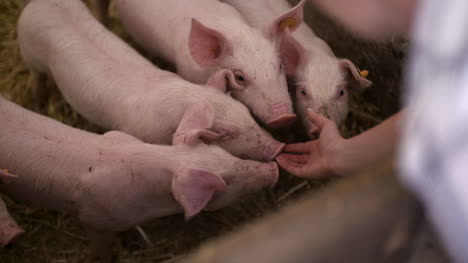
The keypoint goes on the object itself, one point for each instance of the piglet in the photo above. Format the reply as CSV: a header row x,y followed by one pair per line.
x,y
320,79
201,37
111,85
113,182
9,229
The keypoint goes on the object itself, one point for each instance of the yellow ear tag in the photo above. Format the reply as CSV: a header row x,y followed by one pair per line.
x,y
288,23
364,73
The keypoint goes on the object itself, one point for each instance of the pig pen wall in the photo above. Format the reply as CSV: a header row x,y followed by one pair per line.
x,y
55,237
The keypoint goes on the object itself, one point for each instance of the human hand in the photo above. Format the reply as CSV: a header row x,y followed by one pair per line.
x,y
317,158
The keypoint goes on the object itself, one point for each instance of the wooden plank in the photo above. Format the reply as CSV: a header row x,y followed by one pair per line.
x,y
364,218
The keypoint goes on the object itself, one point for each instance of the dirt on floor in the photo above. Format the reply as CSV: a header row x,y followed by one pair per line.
x,y
55,237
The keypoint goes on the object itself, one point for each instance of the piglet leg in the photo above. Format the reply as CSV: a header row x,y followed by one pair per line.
x,y
102,243
102,8
9,230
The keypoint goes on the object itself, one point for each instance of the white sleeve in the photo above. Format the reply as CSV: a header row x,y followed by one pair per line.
x,y
434,150
434,164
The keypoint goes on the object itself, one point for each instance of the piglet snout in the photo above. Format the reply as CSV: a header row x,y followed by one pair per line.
x,y
270,172
281,121
272,150
281,116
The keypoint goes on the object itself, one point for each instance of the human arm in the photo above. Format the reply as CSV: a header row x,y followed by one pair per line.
x,y
372,19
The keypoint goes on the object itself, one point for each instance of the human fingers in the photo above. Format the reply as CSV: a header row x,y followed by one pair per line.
x,y
303,147
318,120
292,167
298,158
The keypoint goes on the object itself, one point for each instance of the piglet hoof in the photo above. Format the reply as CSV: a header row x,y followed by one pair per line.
x,y
281,121
9,233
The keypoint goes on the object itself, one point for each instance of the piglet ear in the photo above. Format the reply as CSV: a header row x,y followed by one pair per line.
x,y
194,188
354,74
195,124
291,20
206,45
223,80
6,177
292,53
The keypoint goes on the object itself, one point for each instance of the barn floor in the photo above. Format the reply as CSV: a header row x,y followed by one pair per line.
x,y
55,237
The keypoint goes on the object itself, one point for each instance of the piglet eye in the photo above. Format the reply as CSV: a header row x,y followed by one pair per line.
x,y
239,78
341,91
301,88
